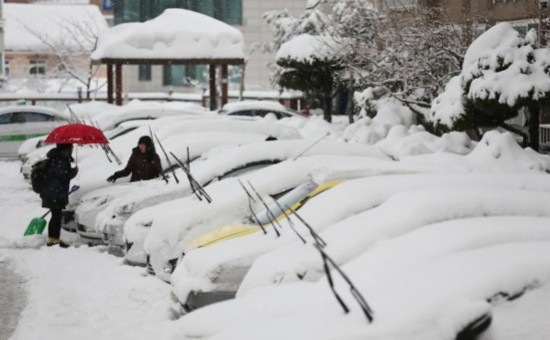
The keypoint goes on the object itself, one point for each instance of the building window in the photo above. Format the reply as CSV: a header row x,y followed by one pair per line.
x,y
144,72
228,11
37,67
127,11
173,75
180,75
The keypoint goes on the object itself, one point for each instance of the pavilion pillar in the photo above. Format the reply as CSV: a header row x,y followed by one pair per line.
x,y
212,79
110,83
224,84
118,84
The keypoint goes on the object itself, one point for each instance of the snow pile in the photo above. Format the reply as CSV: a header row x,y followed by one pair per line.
x,y
175,34
393,129
307,48
501,152
41,28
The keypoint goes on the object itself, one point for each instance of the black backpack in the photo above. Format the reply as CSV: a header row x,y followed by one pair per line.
x,y
39,172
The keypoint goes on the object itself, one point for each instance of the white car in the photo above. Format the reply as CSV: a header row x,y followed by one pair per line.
x,y
176,223
19,123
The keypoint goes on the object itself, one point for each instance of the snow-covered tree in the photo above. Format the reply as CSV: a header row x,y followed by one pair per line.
x,y
420,50
502,73
309,63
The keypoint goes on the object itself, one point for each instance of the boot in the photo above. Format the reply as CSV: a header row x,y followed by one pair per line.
x,y
53,241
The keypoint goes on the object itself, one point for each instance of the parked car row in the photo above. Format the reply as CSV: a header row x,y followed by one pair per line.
x,y
254,226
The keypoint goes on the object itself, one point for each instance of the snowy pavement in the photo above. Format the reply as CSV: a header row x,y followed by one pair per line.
x,y
12,299
75,293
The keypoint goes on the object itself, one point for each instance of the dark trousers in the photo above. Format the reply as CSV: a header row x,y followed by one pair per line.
x,y
54,227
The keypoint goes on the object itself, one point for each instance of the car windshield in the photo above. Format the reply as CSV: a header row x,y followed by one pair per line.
x,y
287,200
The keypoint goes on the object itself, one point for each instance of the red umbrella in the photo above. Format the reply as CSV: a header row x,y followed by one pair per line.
x,y
76,134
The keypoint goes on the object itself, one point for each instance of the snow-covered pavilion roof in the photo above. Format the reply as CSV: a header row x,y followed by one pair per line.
x,y
176,34
36,28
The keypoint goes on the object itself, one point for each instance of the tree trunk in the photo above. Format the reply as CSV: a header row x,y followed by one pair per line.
x,y
351,103
327,114
534,122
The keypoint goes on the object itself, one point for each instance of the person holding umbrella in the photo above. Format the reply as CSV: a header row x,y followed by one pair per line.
x,y
144,163
52,180
55,190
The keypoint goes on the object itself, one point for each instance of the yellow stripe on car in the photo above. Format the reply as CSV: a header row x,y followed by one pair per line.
x,y
238,230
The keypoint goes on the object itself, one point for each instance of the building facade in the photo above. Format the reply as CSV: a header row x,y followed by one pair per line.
x,y
245,15
37,51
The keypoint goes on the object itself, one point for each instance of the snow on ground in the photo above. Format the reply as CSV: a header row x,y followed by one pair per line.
x,y
75,293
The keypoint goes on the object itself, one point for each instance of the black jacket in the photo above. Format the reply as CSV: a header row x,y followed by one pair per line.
x,y
55,194
142,166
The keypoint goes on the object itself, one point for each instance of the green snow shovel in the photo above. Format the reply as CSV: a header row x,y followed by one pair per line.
x,y
38,224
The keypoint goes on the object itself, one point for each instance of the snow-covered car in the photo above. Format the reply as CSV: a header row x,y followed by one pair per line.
x,y
218,270
176,223
220,164
101,213
19,123
259,108
440,281
172,132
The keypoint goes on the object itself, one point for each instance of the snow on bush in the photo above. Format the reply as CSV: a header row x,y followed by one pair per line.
x,y
502,72
393,129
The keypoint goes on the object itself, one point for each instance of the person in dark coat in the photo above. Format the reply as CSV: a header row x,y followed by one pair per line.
x,y
55,193
144,163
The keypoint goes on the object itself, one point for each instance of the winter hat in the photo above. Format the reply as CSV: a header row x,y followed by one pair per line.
x,y
145,140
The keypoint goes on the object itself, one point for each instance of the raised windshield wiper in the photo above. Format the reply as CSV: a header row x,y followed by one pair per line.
x,y
250,200
318,239
354,292
272,217
170,166
198,190
291,223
